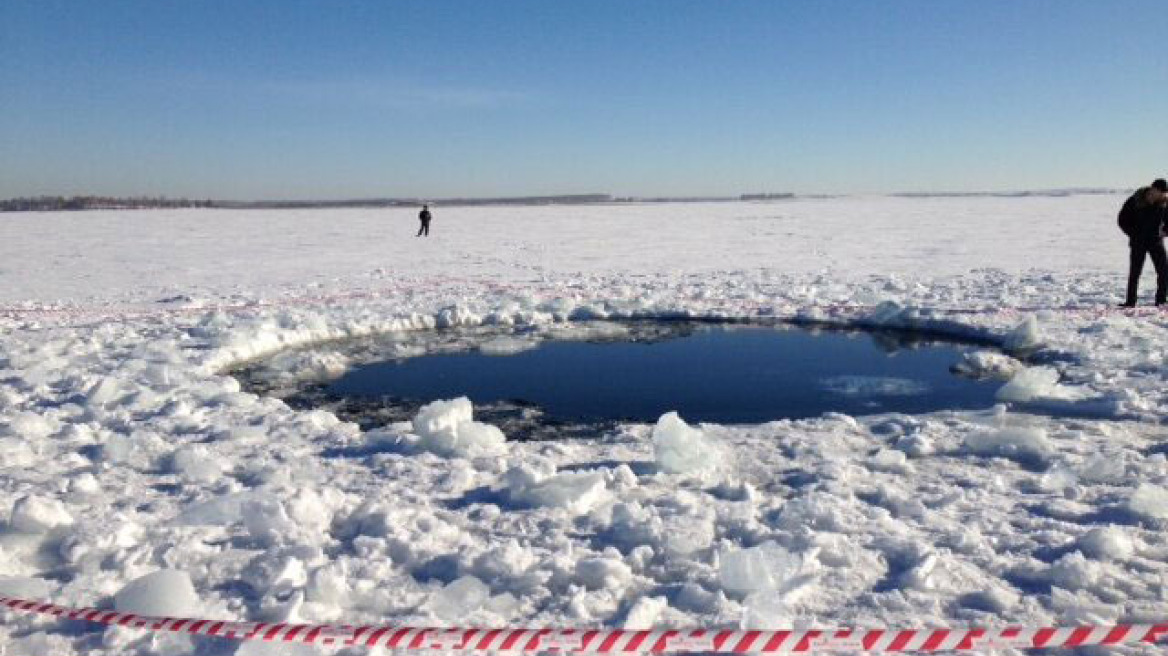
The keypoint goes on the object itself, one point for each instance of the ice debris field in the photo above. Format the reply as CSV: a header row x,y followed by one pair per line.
x,y
138,477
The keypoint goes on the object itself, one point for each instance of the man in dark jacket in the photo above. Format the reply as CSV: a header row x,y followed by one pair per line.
x,y
1142,220
424,217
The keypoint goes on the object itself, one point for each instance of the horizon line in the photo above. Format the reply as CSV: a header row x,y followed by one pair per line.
x,y
582,197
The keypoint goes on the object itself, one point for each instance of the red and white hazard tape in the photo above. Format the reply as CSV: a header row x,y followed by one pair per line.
x,y
616,641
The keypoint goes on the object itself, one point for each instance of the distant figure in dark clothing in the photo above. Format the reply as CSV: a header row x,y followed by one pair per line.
x,y
424,217
1142,220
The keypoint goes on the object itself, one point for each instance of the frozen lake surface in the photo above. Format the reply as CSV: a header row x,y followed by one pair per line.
x,y
132,460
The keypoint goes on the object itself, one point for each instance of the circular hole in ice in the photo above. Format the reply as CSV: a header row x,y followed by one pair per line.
x,y
561,380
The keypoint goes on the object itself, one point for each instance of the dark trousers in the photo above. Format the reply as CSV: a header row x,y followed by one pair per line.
x,y
425,230
1140,251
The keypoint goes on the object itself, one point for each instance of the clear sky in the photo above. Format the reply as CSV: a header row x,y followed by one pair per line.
x,y
431,98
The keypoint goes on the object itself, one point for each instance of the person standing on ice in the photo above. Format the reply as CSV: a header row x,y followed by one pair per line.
x,y
1142,220
424,217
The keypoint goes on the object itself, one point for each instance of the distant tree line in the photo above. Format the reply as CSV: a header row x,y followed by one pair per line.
x,y
769,196
573,199
68,203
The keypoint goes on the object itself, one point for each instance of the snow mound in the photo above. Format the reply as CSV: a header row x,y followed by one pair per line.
x,y
28,425
35,514
767,568
25,587
575,491
1025,336
1149,501
1074,572
988,365
603,573
165,592
1027,446
679,448
16,452
1102,469
267,521
995,599
196,463
462,597
296,366
84,485
890,460
222,510
448,429
916,445
1036,383
104,392
685,535
1057,479
1107,543
644,615
769,579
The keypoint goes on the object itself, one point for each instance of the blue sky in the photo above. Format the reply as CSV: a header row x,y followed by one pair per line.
x,y
331,99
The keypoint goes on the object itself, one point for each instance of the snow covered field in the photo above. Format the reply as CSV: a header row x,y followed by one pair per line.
x,y
125,450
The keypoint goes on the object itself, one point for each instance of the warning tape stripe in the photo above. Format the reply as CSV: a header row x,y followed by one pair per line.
x,y
620,641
